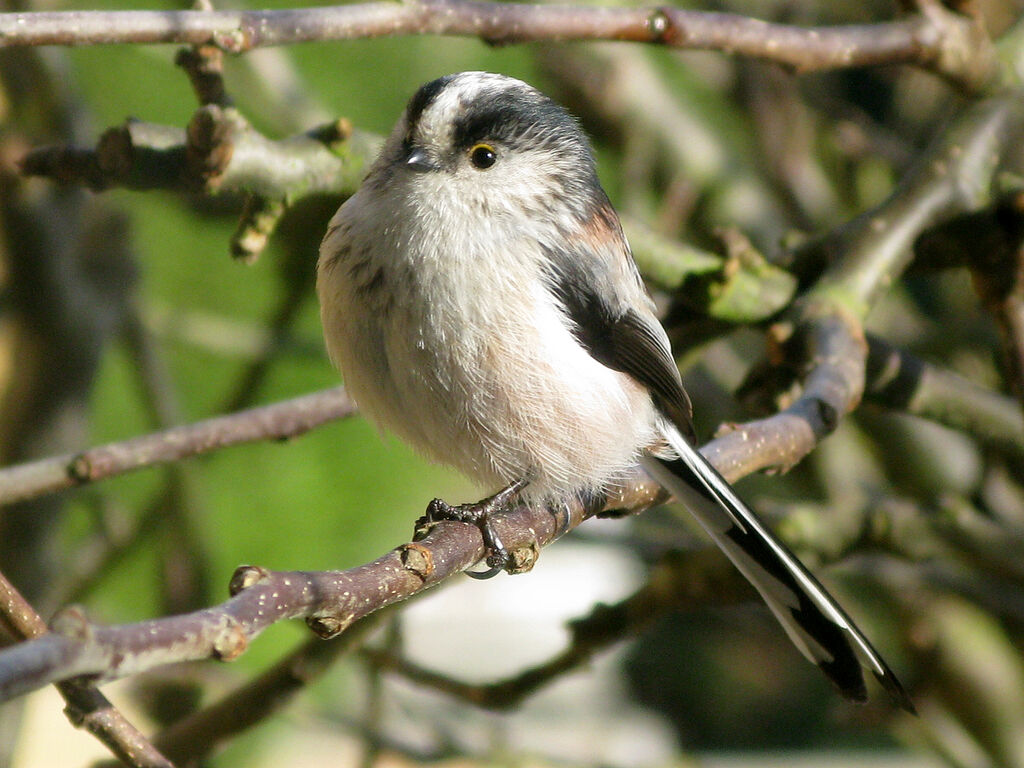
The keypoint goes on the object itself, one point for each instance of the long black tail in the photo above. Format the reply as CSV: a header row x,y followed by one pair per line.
x,y
815,623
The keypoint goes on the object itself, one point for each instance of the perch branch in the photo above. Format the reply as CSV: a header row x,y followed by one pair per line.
x,y
329,601
950,44
702,579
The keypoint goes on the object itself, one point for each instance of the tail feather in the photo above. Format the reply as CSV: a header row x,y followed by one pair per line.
x,y
816,624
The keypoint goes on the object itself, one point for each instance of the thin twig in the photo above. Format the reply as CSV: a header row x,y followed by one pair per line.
x,y
279,421
948,43
690,582
204,65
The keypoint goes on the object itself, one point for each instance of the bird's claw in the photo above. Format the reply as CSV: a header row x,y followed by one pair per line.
x,y
478,514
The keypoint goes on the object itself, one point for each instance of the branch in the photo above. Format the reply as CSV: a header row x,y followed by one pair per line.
x,y
897,379
329,601
86,707
952,45
219,151
696,580
955,175
199,734
279,421
822,335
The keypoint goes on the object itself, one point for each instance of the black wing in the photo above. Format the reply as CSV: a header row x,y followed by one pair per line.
x,y
619,336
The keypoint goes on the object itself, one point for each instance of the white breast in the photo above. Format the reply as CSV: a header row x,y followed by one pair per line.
x,y
462,351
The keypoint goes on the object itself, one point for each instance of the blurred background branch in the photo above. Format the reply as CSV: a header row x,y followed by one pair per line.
x,y
948,42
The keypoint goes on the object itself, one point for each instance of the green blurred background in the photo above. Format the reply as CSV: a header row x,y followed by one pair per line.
x,y
342,495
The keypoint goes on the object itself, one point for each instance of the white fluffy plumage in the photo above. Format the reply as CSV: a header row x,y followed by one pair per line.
x,y
436,309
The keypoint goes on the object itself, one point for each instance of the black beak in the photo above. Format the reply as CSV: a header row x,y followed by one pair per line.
x,y
419,160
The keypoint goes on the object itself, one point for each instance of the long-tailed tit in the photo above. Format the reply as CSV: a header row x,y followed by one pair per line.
x,y
481,301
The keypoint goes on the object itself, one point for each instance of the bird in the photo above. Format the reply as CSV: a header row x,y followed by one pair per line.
x,y
480,300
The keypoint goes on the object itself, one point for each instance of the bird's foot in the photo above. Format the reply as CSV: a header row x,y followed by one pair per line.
x,y
479,514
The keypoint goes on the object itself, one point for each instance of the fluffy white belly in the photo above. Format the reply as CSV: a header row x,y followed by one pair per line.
x,y
499,392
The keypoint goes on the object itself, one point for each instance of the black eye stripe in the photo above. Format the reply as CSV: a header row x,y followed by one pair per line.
x,y
506,116
423,98
493,123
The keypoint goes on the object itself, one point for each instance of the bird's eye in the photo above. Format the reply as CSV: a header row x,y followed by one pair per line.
x,y
482,156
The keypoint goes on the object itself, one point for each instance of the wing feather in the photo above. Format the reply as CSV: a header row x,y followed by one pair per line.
x,y
632,341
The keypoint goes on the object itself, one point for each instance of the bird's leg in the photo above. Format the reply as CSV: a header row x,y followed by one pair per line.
x,y
479,514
